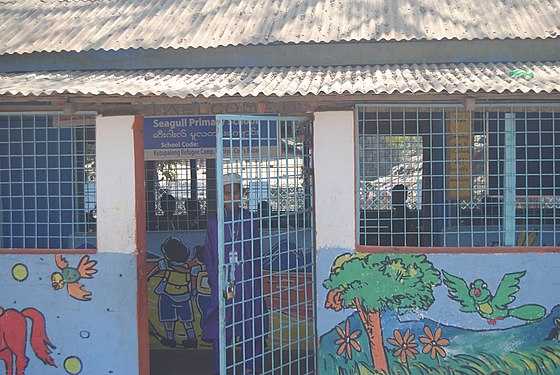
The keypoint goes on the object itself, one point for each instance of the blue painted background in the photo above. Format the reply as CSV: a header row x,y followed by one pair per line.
x,y
102,332
539,285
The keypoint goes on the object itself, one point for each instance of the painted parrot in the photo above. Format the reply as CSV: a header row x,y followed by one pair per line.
x,y
70,276
477,298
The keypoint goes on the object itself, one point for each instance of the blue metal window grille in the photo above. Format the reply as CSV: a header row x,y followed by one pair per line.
x,y
439,175
47,181
273,158
181,194
177,194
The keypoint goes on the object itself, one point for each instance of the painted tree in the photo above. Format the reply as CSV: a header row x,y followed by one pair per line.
x,y
372,283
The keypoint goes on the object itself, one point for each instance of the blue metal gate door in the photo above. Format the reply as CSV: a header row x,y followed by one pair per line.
x,y
265,236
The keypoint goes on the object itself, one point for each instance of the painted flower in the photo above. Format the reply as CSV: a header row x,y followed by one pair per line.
x,y
433,342
406,345
347,340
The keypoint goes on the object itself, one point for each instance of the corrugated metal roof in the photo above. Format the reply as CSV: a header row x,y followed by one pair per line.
x,y
76,25
252,82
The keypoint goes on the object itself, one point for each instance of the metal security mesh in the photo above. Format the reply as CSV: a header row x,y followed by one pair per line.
x,y
273,158
181,194
47,182
177,194
444,176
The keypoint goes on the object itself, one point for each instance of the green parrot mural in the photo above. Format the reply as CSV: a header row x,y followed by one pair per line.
x,y
478,299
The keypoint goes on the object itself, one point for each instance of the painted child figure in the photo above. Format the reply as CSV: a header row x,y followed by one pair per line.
x,y
246,312
202,285
174,292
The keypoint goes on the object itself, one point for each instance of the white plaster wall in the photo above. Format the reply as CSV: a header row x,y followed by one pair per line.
x,y
116,221
333,164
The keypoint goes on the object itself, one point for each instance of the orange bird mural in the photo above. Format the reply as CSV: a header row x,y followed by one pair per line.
x,y
70,276
13,335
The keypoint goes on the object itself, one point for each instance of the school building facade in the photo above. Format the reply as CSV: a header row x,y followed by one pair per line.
x,y
410,162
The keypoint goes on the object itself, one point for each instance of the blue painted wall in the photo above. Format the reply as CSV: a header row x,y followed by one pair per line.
x,y
100,335
506,346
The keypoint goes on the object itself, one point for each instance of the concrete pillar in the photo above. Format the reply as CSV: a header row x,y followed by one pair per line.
x,y
334,172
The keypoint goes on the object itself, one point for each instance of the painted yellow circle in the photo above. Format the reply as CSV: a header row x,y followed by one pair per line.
x,y
73,365
20,272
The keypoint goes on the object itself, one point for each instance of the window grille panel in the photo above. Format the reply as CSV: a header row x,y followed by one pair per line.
x,y
443,176
181,194
177,195
47,182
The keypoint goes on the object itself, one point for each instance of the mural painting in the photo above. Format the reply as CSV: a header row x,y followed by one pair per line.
x,y
179,292
13,334
476,298
46,332
202,285
409,315
176,291
70,276
13,323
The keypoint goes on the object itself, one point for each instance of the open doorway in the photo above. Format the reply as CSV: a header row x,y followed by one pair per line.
x,y
182,196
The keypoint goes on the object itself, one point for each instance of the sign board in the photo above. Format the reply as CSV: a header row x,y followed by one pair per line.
x,y
459,145
194,137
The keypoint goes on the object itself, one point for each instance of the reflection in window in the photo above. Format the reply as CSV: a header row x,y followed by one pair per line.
x,y
485,178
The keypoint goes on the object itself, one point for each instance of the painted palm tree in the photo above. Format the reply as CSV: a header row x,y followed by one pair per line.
x,y
371,283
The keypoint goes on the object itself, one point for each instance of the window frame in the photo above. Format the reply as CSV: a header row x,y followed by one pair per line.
x,y
84,121
359,111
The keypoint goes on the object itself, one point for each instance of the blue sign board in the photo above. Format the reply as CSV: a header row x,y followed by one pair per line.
x,y
194,137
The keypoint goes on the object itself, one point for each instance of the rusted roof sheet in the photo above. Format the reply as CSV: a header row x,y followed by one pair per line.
x,y
77,25
537,77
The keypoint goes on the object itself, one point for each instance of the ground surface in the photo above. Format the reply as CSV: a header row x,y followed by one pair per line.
x,y
198,362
